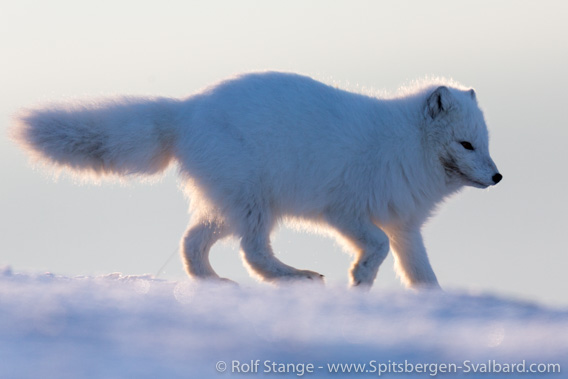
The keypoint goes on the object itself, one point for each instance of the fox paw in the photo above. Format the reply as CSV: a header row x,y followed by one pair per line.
x,y
361,285
300,276
311,275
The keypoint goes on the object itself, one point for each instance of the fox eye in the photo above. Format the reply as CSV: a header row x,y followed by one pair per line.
x,y
467,145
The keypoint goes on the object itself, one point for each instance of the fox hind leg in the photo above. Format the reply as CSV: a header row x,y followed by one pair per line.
x,y
196,245
259,256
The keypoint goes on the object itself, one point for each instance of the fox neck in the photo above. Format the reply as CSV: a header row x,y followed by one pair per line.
x,y
418,177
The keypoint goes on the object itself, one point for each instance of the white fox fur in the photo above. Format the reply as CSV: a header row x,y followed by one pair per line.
x,y
265,147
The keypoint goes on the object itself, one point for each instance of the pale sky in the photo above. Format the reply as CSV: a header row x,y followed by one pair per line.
x,y
507,240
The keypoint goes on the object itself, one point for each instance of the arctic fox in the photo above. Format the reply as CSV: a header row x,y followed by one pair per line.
x,y
265,147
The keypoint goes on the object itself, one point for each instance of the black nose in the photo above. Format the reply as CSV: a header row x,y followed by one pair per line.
x,y
497,178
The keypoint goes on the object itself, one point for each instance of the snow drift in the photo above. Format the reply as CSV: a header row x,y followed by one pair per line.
x,y
139,327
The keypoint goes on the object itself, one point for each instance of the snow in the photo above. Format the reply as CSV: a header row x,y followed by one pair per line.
x,y
119,326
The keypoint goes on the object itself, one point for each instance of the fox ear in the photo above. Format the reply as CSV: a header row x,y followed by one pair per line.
x,y
472,94
439,102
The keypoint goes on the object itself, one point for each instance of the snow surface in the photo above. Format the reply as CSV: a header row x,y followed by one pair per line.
x,y
139,327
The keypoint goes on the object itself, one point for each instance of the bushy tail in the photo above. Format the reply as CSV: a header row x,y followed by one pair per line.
x,y
122,136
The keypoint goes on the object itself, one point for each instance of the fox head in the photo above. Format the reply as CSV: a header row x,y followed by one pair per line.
x,y
456,130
